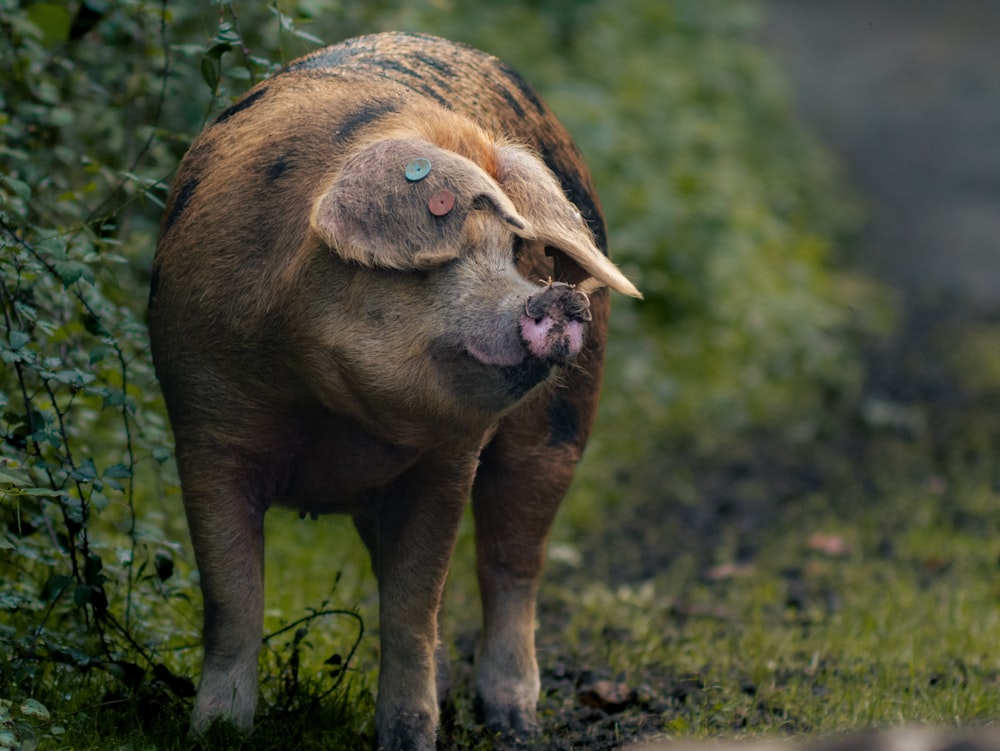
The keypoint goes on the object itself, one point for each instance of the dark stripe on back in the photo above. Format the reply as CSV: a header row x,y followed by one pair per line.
x,y
180,203
362,116
385,63
436,63
512,102
245,103
522,86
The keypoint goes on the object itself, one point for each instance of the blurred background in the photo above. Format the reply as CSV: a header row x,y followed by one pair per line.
x,y
904,93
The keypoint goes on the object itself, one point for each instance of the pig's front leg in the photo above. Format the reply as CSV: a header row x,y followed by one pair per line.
x,y
520,483
414,539
227,532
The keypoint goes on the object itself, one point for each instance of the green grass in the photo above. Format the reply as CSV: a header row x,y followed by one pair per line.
x,y
898,625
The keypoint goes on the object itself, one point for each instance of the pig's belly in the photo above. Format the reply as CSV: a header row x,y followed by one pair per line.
x,y
339,470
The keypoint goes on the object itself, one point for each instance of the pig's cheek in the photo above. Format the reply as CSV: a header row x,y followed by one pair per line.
x,y
499,353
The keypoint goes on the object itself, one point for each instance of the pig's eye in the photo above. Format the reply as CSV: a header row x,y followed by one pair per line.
x,y
517,250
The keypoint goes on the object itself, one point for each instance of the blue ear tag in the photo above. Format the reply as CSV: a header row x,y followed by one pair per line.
x,y
417,169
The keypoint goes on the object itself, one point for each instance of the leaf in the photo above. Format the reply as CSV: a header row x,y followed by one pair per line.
x,y
18,339
44,492
21,189
100,501
86,472
308,37
226,34
211,64
52,20
82,594
14,477
607,696
54,586
119,471
11,601
112,399
216,51
75,377
35,709
163,563
100,352
53,247
17,355
71,272
92,569
26,311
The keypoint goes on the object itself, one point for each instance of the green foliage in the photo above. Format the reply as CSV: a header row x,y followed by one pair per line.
x,y
82,426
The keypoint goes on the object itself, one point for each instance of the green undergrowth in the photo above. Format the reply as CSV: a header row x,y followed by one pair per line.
x,y
773,585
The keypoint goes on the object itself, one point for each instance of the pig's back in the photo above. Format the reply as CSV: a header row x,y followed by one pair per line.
x,y
469,82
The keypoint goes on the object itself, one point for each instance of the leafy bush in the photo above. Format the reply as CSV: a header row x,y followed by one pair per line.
x,y
719,205
82,426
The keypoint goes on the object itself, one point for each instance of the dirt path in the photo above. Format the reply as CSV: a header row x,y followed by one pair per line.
x,y
907,92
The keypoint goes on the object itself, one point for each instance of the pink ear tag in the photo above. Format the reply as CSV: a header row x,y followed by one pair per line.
x,y
441,202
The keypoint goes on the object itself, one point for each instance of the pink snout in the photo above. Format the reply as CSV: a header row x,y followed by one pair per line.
x,y
552,327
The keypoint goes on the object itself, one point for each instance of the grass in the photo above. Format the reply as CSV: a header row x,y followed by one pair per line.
x,y
767,586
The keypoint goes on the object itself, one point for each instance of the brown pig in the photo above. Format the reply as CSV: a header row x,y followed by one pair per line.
x,y
381,287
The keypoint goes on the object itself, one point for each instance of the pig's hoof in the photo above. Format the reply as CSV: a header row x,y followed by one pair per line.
x,y
516,727
408,731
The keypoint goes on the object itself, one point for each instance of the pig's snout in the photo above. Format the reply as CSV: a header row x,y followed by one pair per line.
x,y
548,328
553,325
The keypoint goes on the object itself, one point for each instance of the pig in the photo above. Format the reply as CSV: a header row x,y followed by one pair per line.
x,y
381,289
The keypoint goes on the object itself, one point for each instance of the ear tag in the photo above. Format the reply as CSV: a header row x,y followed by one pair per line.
x,y
441,202
418,169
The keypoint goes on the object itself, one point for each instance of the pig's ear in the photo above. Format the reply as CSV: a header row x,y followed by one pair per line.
x,y
402,204
533,188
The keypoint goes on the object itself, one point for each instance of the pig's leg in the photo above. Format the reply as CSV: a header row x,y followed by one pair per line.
x,y
414,538
367,527
523,475
226,523
514,502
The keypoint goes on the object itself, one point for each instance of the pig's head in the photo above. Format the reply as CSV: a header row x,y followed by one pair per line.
x,y
433,238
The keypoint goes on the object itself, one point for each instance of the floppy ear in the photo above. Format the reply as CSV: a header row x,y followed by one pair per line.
x,y
402,204
533,188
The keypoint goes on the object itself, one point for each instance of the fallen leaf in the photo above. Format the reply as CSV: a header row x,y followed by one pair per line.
x,y
607,696
828,544
729,571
